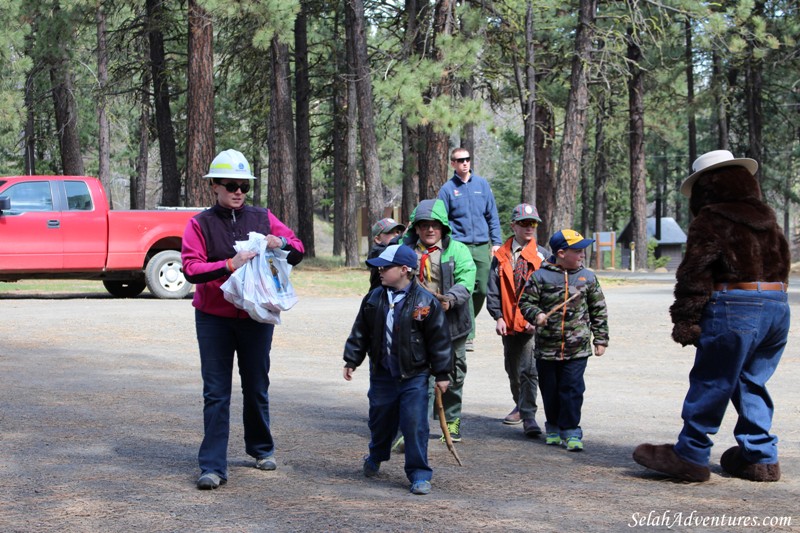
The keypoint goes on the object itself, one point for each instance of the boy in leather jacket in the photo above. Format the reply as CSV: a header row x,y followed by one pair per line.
x,y
403,329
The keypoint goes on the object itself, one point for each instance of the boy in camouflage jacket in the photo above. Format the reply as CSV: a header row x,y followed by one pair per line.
x,y
564,339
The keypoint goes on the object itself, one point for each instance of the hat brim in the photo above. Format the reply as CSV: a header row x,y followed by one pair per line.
x,y
580,245
527,217
212,175
750,164
379,262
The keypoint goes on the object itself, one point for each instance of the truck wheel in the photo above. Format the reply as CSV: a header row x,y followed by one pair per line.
x,y
164,275
124,289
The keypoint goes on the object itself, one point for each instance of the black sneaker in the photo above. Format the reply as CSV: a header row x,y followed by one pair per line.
x,y
370,467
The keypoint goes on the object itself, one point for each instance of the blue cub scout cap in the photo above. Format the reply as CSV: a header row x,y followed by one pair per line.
x,y
396,254
568,238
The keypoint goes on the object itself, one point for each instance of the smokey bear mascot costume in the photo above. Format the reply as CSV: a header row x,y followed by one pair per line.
x,y
730,302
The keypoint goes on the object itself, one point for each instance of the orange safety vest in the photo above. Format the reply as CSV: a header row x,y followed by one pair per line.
x,y
509,299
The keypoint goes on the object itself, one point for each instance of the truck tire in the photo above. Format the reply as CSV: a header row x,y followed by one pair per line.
x,y
164,276
124,289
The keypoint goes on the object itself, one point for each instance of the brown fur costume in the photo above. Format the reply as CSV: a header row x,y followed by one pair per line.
x,y
734,238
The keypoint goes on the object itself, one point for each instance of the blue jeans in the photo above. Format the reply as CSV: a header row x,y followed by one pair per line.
x,y
742,340
562,388
218,338
400,403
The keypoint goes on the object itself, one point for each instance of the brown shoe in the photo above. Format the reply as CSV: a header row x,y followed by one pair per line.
x,y
513,417
662,458
733,463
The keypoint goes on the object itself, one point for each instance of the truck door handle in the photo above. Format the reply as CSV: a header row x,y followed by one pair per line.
x,y
53,224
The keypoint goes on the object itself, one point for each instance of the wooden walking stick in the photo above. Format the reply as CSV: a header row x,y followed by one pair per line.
x,y
443,423
561,305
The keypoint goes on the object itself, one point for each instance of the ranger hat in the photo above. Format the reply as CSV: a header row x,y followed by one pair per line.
x,y
712,160
395,255
525,212
385,225
568,238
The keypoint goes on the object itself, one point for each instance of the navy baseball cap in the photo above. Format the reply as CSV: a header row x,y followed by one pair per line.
x,y
395,255
568,238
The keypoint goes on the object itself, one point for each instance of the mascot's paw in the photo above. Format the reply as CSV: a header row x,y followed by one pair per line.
x,y
685,333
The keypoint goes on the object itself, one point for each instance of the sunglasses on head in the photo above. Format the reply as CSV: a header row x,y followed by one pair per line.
x,y
460,160
233,186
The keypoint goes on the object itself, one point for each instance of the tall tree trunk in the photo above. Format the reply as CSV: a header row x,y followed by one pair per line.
x,y
170,177
200,140
340,116
255,163
527,96
569,167
139,185
138,188
30,125
434,164
601,173
103,133
352,233
720,103
282,172
468,130
586,196
413,44
305,196
66,113
636,152
754,86
354,10
543,138
690,105
410,172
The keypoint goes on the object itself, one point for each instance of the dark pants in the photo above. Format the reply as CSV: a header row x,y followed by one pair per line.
x,y
219,338
482,255
743,336
562,386
400,403
521,369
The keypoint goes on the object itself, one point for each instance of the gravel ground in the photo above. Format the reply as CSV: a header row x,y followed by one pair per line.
x,y
101,417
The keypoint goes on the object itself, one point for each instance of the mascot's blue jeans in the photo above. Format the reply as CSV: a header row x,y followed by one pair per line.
x,y
218,338
743,336
401,403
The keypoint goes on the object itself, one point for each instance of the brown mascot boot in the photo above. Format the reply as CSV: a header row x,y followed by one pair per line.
x,y
662,458
736,465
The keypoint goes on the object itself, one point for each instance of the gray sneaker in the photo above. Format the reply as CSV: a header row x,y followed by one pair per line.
x,y
371,467
266,463
209,480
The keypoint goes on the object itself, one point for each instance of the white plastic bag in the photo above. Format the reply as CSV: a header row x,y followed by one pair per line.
x,y
261,287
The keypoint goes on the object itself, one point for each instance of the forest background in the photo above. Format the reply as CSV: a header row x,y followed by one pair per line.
x,y
593,110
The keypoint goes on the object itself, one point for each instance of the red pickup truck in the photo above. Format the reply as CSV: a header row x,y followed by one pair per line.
x,y
60,227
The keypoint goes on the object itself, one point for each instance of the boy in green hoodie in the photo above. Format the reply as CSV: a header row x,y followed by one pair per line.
x,y
447,270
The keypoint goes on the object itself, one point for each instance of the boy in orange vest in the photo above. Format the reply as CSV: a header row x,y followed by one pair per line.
x,y
512,265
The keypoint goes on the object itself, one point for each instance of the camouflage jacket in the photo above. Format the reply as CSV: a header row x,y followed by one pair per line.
x,y
568,332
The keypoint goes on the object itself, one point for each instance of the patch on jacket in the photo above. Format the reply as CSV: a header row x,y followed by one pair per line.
x,y
420,312
456,192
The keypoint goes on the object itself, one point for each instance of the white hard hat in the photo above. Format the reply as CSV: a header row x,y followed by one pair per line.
x,y
230,164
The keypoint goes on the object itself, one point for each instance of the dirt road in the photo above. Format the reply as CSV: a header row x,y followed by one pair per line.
x,y
101,417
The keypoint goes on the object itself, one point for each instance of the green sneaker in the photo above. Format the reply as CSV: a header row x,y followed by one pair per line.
x,y
553,439
574,444
454,428
399,445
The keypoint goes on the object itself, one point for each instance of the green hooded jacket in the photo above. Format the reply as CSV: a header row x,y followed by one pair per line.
x,y
458,268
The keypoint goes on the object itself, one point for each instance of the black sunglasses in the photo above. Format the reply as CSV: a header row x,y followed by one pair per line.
x,y
233,186
461,160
